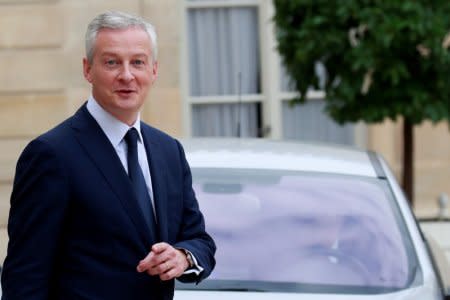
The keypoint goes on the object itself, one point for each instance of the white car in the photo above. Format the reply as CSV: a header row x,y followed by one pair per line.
x,y
303,221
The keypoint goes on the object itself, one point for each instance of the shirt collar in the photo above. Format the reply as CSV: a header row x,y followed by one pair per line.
x,y
114,129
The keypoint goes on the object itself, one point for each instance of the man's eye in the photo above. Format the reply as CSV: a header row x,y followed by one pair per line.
x,y
138,62
111,62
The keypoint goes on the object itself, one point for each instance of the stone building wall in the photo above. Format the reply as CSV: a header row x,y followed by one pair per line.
x,y
41,79
431,159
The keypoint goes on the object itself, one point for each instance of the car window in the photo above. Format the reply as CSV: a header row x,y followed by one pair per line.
x,y
303,228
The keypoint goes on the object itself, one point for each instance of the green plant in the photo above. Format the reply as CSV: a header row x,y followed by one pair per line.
x,y
383,59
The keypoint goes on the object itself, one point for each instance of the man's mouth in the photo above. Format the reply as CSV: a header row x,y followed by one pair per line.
x,y
125,91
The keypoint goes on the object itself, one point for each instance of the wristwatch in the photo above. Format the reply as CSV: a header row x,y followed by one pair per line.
x,y
190,259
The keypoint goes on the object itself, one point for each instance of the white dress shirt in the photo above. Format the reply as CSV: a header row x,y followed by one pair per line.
x,y
116,130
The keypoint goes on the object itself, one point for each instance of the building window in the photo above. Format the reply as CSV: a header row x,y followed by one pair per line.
x,y
224,69
229,119
309,121
234,84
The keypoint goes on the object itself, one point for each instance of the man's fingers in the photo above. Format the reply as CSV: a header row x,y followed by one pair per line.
x,y
151,263
172,271
160,269
160,247
164,261
145,263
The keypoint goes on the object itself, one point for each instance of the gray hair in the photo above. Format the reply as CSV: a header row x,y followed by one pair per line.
x,y
117,20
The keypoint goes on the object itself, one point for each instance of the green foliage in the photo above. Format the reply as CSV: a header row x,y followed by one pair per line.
x,y
384,59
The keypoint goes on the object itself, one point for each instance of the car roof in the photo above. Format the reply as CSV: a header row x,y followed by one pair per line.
x,y
246,153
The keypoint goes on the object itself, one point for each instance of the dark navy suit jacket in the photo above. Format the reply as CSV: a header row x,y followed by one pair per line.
x,y
76,230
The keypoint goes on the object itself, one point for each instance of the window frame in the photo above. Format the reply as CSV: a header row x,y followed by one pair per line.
x,y
188,100
271,97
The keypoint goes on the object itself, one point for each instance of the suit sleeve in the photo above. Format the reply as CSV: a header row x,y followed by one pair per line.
x,y
38,204
193,235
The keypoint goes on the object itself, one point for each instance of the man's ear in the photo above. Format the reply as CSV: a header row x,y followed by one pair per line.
x,y
87,70
154,71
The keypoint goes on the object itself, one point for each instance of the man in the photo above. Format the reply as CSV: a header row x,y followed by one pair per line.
x,y
102,205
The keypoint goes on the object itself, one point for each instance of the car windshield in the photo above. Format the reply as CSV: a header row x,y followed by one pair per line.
x,y
324,232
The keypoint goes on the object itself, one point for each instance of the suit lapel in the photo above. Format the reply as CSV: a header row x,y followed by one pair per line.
x,y
96,144
157,172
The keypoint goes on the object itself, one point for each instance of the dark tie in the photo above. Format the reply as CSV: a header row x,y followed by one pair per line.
x,y
138,181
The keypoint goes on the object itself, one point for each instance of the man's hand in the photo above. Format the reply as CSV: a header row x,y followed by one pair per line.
x,y
165,261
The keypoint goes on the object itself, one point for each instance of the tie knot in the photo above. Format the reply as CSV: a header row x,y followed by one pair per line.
x,y
131,137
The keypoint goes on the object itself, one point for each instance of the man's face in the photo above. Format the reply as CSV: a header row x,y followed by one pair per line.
x,y
121,71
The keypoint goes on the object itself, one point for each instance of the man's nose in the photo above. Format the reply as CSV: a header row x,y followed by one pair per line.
x,y
125,73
